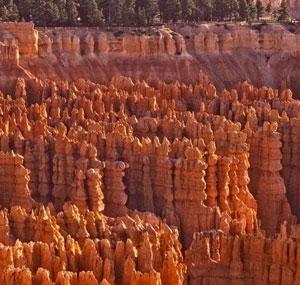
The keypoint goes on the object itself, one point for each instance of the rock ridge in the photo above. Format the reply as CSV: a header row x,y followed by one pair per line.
x,y
261,54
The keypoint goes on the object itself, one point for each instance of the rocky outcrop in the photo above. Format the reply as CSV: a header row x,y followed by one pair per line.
x,y
129,250
23,34
270,157
115,196
128,183
242,260
262,54
14,180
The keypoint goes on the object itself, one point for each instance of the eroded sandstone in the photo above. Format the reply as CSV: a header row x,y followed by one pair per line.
x,y
261,54
136,183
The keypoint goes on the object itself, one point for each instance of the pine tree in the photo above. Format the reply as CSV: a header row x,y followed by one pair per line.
x,y
3,11
10,11
128,13
104,5
49,14
283,12
63,16
90,14
45,13
134,12
252,9
72,12
244,11
172,11
151,10
25,9
36,10
259,9
141,17
220,9
233,9
269,7
162,9
115,12
188,10
204,10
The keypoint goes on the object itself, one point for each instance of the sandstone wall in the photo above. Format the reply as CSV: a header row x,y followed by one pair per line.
x,y
181,41
264,55
23,34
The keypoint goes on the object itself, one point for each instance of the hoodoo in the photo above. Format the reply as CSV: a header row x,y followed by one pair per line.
x,y
125,161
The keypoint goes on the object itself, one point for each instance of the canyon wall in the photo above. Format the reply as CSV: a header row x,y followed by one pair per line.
x,y
228,54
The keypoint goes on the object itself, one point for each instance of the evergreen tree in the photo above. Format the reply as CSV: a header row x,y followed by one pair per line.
x,y
36,10
172,11
220,9
25,9
46,13
141,17
9,11
115,12
252,9
151,10
104,5
3,11
233,9
50,15
128,13
63,16
162,9
4,14
90,14
72,12
135,12
204,10
259,9
283,12
269,7
188,10
244,11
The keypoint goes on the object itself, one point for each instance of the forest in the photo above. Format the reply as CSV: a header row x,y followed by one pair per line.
x,y
137,12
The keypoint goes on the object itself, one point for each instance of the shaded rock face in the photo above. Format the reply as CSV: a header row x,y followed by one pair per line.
x,y
262,54
128,182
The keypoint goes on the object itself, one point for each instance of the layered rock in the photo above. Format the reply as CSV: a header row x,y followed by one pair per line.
x,y
14,182
115,196
261,53
242,260
269,178
113,251
107,184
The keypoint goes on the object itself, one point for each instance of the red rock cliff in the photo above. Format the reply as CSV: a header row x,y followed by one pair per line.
x,y
262,54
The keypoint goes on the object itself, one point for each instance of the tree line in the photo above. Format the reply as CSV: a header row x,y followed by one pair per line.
x,y
135,12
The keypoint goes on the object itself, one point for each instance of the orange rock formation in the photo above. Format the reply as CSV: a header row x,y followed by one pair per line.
x,y
228,54
137,183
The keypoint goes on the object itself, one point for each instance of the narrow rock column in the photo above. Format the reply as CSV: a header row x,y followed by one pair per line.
x,y
270,187
114,192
